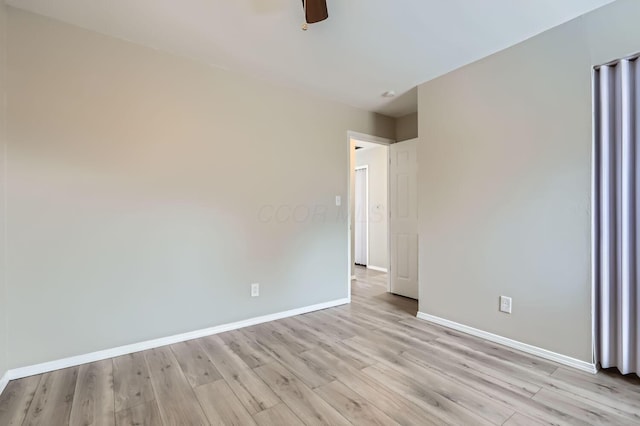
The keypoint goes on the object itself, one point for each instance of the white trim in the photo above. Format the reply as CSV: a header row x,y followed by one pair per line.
x,y
73,361
350,177
594,219
524,347
388,201
377,268
368,138
4,381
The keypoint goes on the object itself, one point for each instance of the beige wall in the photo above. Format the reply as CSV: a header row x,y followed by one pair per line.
x,y
144,188
3,294
505,184
377,161
407,127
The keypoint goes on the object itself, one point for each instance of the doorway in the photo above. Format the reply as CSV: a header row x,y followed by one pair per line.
x,y
368,215
371,205
383,233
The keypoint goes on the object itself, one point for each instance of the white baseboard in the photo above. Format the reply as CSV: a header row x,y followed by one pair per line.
x,y
524,347
4,381
377,268
19,373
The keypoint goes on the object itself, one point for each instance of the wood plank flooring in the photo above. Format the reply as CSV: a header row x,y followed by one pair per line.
x,y
368,363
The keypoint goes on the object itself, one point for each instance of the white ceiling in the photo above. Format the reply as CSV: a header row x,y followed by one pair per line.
x,y
365,48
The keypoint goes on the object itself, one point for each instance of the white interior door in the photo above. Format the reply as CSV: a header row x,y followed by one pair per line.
x,y
362,219
403,220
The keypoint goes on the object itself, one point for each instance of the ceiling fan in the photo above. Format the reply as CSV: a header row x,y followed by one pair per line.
x,y
314,11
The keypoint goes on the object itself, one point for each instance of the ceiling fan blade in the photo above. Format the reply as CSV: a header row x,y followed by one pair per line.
x,y
316,10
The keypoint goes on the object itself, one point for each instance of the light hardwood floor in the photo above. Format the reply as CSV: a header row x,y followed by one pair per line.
x,y
371,362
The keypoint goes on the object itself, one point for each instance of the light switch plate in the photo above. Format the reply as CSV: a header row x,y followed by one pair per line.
x,y
505,304
338,200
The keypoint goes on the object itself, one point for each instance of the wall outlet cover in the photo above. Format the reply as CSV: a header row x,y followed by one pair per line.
x,y
255,290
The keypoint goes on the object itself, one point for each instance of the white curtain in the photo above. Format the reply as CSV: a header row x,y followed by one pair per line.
x,y
361,217
616,214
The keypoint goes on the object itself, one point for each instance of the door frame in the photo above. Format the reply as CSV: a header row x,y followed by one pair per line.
x,y
351,135
366,202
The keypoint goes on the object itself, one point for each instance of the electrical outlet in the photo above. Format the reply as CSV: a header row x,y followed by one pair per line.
x,y
505,304
255,290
